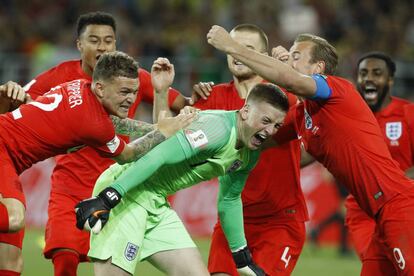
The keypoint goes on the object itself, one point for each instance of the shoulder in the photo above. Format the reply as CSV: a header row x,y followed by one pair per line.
x,y
216,125
143,74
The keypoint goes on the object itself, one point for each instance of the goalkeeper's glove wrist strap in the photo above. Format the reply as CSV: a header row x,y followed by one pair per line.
x,y
242,257
110,197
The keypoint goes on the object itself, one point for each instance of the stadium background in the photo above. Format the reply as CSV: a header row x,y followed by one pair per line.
x,y
37,35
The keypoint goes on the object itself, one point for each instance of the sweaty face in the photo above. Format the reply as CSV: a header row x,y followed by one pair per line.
x,y
300,57
252,41
260,121
374,82
94,41
118,95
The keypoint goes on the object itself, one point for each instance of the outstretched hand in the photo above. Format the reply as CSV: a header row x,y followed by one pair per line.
x,y
168,126
13,91
162,74
201,90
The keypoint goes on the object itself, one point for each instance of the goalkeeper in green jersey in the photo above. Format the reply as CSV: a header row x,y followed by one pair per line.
x,y
142,226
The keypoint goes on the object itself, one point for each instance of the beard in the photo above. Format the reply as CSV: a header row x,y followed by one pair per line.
x,y
381,97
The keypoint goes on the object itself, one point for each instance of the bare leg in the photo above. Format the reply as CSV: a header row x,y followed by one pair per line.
x,y
106,268
11,258
180,262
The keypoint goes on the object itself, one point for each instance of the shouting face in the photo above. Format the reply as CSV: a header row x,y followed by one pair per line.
x,y
374,82
259,121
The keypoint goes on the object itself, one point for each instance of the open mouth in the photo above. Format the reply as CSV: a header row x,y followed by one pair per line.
x,y
258,139
98,56
370,92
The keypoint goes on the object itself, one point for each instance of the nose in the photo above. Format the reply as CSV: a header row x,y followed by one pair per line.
x,y
270,130
102,46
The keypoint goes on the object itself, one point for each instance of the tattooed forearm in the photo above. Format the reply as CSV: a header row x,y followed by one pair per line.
x,y
144,144
131,127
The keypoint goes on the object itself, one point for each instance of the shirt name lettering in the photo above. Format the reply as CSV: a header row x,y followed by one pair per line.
x,y
75,97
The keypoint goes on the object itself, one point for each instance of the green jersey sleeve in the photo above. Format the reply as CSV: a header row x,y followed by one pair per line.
x,y
230,209
229,203
196,143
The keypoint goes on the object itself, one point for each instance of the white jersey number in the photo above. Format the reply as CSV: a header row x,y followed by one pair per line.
x,y
285,258
399,258
57,99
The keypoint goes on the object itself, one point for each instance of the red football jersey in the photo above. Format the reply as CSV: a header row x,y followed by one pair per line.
x,y
55,123
273,187
76,173
397,126
342,133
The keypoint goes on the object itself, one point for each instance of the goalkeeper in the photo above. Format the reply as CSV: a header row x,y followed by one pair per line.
x,y
142,226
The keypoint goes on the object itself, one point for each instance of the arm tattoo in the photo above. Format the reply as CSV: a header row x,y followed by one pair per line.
x,y
144,144
131,127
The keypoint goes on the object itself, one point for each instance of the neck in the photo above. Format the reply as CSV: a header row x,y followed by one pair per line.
x,y
243,86
85,68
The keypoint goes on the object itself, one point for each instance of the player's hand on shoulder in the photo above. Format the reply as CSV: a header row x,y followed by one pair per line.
x,y
13,91
244,263
189,110
280,53
162,74
201,90
168,126
92,214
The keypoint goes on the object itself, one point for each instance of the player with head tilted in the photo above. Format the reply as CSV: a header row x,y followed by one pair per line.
x,y
142,226
75,173
56,122
274,209
396,120
336,126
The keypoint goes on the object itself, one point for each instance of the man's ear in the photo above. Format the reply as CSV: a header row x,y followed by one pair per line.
x,y
98,88
79,45
244,111
320,67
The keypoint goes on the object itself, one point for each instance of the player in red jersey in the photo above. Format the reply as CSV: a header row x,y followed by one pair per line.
x,y
337,127
396,120
56,122
75,174
274,208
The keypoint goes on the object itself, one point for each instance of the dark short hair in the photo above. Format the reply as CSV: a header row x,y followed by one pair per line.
x,y
115,64
94,18
322,51
253,29
383,56
269,93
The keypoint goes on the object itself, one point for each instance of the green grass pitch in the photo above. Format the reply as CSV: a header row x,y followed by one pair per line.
x,y
321,261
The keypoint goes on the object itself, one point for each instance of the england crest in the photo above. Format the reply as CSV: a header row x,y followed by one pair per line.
x,y
235,166
393,130
131,251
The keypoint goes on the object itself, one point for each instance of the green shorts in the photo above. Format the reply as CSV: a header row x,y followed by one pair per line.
x,y
134,233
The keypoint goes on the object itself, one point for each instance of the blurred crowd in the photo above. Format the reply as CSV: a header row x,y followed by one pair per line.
x,y
38,34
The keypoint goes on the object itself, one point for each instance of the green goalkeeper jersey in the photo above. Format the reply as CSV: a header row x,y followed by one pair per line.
x,y
204,150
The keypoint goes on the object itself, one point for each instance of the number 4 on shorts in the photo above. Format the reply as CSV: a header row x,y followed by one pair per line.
x,y
285,258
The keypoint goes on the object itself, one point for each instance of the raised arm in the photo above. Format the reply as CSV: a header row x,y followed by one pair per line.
x,y
267,67
162,76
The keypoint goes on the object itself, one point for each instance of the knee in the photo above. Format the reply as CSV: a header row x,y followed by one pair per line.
x,y
16,212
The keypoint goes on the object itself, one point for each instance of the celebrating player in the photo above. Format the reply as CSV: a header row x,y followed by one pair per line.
x,y
274,208
56,122
142,225
396,119
75,173
336,126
